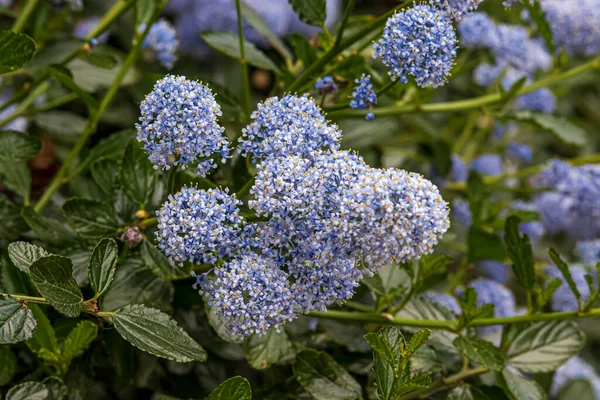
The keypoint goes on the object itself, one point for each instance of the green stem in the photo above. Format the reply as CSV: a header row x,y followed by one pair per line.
x,y
28,299
345,17
24,15
445,382
21,109
245,191
243,61
59,101
467,104
148,222
458,275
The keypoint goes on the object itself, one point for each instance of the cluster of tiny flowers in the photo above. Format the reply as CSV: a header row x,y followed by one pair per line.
x,y
444,300
290,125
85,26
178,125
421,42
575,25
490,292
199,226
563,298
475,29
589,252
488,165
161,43
542,100
325,85
457,9
519,152
364,96
575,368
572,204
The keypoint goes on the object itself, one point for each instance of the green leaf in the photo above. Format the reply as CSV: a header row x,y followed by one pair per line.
x,y
48,230
543,296
481,352
426,361
112,148
545,346
466,393
236,388
391,281
63,75
11,222
577,389
104,61
303,50
16,49
102,265
8,366
144,10
324,378
313,12
563,267
53,277
23,254
28,391
519,388
64,126
255,21
513,91
432,270
16,321
57,390
93,78
18,146
266,350
519,251
478,197
484,245
44,336
228,44
155,332
387,345
560,127
91,219
79,339
158,263
16,177
137,175
105,172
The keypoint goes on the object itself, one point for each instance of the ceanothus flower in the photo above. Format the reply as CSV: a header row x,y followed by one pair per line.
x,y
519,152
199,226
364,96
444,300
542,100
589,252
575,368
85,26
563,298
161,43
490,292
179,126
421,42
495,270
459,171
488,165
325,85
462,212
457,9
291,125
475,30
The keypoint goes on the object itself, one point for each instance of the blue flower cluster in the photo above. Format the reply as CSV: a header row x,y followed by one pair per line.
x,y
589,252
563,298
290,125
542,100
490,292
85,26
457,9
325,85
178,125
575,368
488,165
364,96
161,43
420,42
519,152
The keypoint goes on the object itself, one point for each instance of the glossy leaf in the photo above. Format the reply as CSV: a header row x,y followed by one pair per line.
x,y
23,254
236,388
102,265
266,350
481,352
16,49
16,321
91,219
520,388
137,175
53,277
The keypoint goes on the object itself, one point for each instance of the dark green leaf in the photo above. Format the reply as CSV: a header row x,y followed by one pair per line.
x,y
64,126
144,10
48,230
18,146
91,219
266,350
28,391
563,267
255,20
155,332
324,378
560,127
519,251
432,270
137,175
484,245
11,222
12,279
102,265
478,197
577,389
158,263
520,388
23,254
64,76
391,281
79,339
16,49
303,50
93,78
387,344
17,177
8,366
104,61
481,352
112,148
228,44
53,277
16,321
313,12
426,361
105,173
236,388
545,346
57,390
44,336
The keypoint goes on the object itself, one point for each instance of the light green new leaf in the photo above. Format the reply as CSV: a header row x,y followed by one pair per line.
x,y
78,340
44,336
53,277
236,388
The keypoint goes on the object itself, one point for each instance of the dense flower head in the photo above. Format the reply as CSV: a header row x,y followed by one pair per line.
x,y
475,30
542,100
85,26
443,299
161,43
325,85
588,252
563,298
462,211
421,42
490,292
488,164
575,25
199,226
575,368
457,9
178,125
364,96
292,125
519,152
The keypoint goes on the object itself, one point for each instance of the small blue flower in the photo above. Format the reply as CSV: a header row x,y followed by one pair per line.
x,y
542,100
444,300
459,170
364,96
325,85
488,165
179,126
161,43
475,30
457,9
462,212
421,42
85,26
519,152
575,368
589,252
563,298
291,125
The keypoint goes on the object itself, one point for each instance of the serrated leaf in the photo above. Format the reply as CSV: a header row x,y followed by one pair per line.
x,y
47,229
266,350
158,263
79,339
17,177
520,252
18,146
228,44
102,265
484,245
579,389
236,388
105,173
153,331
44,336
545,346
481,352
16,321
255,20
520,388
16,49
563,267
63,75
28,391
111,148
8,366
416,341
313,12
23,254
387,343
53,277
137,175
91,219
560,127
324,378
